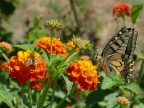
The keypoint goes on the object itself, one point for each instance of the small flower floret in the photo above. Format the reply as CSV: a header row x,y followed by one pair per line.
x,y
54,24
81,43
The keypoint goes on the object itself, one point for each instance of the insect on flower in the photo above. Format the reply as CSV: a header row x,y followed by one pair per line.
x,y
32,60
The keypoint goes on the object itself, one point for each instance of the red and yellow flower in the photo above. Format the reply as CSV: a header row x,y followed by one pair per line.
x,y
57,46
121,10
27,65
84,73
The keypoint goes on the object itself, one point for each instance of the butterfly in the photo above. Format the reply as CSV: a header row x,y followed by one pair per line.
x,y
118,54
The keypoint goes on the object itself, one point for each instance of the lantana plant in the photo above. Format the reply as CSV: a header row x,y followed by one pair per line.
x,y
35,73
39,65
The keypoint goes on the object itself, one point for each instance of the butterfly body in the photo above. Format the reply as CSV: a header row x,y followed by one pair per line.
x,y
118,53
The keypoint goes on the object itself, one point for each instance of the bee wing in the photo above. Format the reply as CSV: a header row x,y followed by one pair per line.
x,y
38,60
29,62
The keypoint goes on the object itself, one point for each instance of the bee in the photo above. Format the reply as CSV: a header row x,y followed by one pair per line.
x,y
32,60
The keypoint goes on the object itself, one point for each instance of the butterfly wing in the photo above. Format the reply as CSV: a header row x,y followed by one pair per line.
x,y
118,53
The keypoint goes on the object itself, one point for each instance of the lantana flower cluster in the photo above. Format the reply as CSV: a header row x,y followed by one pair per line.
x,y
4,66
122,9
6,46
57,46
27,66
123,100
84,73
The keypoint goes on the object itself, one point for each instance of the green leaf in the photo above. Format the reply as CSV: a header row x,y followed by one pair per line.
x,y
3,77
135,12
58,94
5,96
25,100
133,88
141,105
107,83
69,84
111,100
33,48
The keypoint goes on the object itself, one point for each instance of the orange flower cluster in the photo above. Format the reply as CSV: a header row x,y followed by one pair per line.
x,y
121,10
84,73
6,46
26,66
4,66
123,100
57,46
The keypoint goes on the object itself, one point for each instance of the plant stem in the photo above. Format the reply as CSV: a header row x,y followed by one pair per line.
x,y
71,91
75,16
52,34
44,93
54,89
58,105
70,55
122,90
30,96
141,72
43,83
5,57
124,21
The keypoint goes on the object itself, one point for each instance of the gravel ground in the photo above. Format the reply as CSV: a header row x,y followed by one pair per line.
x,y
99,18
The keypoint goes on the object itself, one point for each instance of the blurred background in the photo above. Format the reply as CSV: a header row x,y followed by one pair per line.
x,y
22,21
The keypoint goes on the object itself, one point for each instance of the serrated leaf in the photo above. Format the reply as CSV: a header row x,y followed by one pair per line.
x,y
25,100
133,88
107,83
69,84
111,100
33,48
135,12
59,94
5,96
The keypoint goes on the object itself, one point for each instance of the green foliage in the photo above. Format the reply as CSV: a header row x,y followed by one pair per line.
x,y
69,84
9,5
111,100
135,12
5,96
36,31
133,88
107,83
